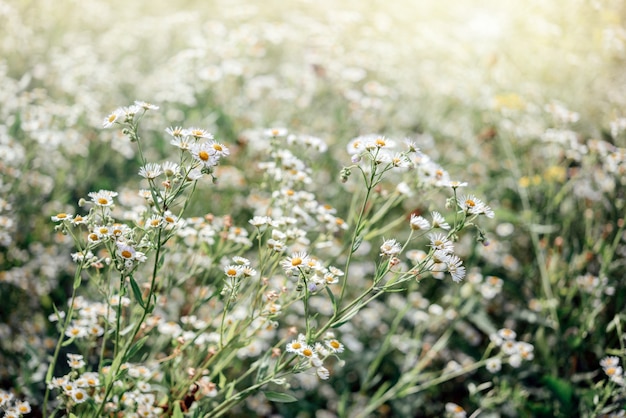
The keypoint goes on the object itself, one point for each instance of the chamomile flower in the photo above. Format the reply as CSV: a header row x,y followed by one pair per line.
x,y
205,154
323,373
455,267
220,149
494,365
472,205
112,118
507,334
296,346
233,271
125,251
198,133
455,411
297,261
419,223
76,331
75,361
441,242
81,256
129,112
241,261
390,248
60,217
78,220
182,142
146,105
78,395
23,407
259,221
102,198
170,169
275,132
334,345
609,361
176,132
154,221
151,171
439,221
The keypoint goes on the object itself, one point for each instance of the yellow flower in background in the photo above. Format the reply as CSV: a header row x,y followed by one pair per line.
x,y
555,173
526,181
510,101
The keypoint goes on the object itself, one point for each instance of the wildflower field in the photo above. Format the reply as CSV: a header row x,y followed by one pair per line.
x,y
329,208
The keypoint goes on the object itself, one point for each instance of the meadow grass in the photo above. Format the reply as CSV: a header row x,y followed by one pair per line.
x,y
322,209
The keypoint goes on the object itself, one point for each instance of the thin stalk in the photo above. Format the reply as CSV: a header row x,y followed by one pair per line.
x,y
541,260
57,349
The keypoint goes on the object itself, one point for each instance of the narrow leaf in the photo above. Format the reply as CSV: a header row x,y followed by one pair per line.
x,y
137,292
137,346
279,397
114,369
177,411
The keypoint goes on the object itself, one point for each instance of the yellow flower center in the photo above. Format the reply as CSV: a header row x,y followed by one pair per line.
x,y
296,261
61,215
335,344
470,203
307,352
203,155
217,147
296,346
127,254
103,200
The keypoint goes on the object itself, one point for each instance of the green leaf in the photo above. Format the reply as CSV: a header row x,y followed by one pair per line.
x,y
332,297
177,411
562,389
72,415
347,317
279,397
137,291
137,346
114,369
222,381
77,281
68,342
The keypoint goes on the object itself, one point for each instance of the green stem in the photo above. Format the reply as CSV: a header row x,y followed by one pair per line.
x,y
57,349
541,260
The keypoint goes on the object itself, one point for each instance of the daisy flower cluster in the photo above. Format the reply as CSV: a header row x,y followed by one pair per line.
x,y
12,407
138,396
314,355
514,352
612,369
90,318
